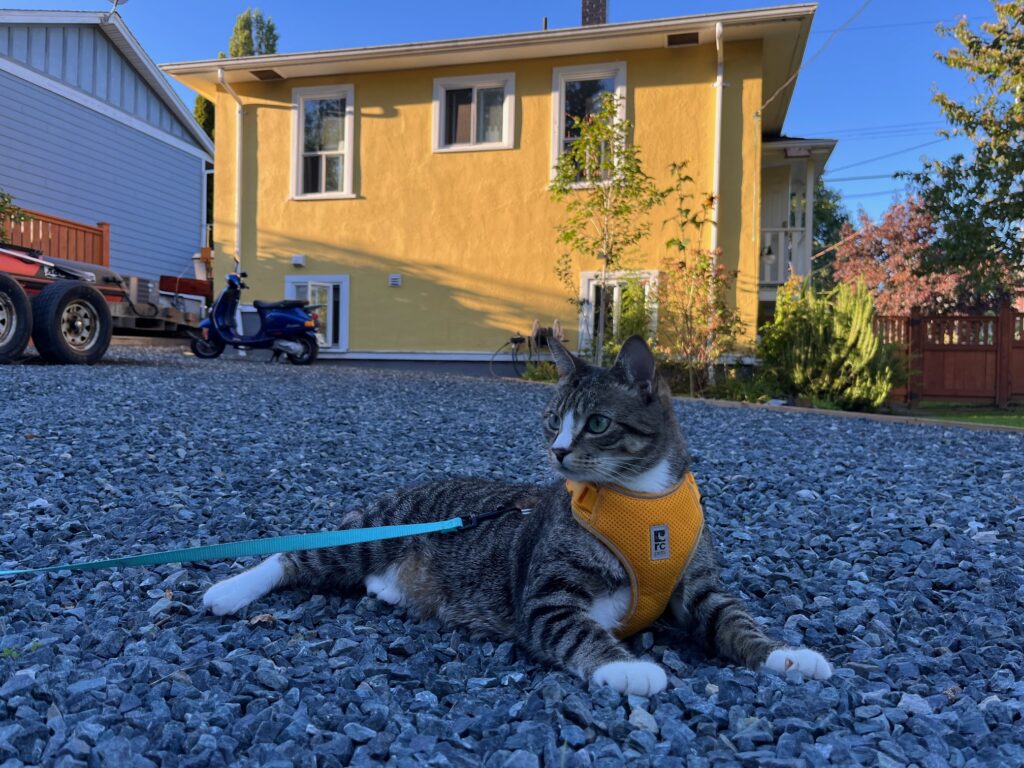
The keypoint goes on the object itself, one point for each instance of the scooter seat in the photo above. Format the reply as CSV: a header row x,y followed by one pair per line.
x,y
286,304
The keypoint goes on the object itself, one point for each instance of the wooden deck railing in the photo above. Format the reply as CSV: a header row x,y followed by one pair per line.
x,y
61,238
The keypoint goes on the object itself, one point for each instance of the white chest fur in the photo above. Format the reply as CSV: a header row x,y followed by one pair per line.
x,y
610,610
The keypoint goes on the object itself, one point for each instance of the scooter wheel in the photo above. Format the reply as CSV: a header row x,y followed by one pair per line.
x,y
207,348
309,352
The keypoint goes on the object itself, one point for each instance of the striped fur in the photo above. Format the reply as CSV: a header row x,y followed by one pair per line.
x,y
539,577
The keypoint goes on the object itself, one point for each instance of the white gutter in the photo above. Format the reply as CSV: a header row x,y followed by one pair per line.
x,y
719,87
238,162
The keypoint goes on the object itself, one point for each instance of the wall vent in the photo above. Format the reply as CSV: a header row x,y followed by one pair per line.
x,y
266,74
394,280
680,39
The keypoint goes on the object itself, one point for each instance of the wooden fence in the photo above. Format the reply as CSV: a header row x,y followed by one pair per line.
x,y
968,358
61,238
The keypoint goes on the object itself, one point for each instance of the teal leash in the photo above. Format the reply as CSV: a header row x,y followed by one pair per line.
x,y
256,547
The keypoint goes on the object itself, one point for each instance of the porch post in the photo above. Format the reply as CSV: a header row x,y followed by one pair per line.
x,y
809,217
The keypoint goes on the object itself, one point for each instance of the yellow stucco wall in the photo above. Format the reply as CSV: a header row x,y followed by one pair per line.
x,y
473,233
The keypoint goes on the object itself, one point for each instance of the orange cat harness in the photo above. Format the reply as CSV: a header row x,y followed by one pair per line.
x,y
653,536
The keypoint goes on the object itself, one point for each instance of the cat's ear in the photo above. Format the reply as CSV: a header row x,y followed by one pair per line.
x,y
637,361
566,363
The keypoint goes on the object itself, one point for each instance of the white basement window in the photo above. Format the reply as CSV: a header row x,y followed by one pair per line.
x,y
472,113
322,152
577,92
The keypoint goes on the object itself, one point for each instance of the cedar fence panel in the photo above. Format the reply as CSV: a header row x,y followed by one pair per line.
x,y
61,238
968,358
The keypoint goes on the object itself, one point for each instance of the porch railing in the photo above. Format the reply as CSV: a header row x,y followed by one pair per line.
x,y
61,238
783,250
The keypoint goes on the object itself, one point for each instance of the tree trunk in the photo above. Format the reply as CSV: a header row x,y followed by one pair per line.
x,y
599,346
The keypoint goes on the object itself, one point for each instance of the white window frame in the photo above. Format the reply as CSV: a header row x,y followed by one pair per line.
x,y
291,283
506,80
299,96
590,279
562,75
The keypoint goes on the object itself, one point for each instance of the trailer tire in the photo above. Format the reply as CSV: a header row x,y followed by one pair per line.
x,y
15,319
72,323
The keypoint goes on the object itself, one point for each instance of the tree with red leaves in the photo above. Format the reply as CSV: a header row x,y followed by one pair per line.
x,y
888,257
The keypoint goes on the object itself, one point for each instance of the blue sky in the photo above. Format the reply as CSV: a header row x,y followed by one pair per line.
x,y
871,88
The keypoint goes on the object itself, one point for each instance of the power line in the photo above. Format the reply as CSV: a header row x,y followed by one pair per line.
x,y
887,26
890,154
858,178
873,194
817,53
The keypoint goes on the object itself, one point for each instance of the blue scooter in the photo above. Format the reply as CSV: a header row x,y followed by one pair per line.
x,y
287,327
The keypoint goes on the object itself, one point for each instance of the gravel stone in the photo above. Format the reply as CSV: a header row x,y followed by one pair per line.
x,y
896,550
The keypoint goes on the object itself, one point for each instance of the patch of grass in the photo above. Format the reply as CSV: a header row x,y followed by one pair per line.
x,y
1004,417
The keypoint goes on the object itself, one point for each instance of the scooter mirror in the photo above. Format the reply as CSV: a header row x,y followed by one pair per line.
x,y
238,262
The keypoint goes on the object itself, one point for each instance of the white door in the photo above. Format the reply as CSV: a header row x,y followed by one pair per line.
x,y
331,292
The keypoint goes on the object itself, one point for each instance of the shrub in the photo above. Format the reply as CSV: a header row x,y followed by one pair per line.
x,y
696,325
9,212
542,371
822,346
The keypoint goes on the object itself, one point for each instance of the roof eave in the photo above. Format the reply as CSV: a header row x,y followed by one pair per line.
x,y
115,28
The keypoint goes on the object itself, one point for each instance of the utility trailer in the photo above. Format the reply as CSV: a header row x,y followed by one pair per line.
x,y
70,309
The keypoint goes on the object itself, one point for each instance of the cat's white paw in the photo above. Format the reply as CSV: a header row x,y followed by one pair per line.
x,y
385,586
232,595
642,678
810,664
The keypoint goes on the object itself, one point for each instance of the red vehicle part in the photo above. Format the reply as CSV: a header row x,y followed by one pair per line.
x,y
74,307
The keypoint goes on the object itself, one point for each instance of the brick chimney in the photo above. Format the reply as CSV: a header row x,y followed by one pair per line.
x,y
595,12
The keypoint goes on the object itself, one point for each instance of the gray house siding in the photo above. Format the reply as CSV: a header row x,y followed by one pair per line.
x,y
64,159
82,57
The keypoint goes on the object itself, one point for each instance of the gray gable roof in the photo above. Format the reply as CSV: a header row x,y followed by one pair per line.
x,y
96,54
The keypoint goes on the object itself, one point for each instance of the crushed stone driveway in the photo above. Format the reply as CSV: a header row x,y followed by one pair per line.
x,y
895,550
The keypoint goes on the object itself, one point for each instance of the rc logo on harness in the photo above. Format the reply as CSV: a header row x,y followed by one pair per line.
x,y
659,542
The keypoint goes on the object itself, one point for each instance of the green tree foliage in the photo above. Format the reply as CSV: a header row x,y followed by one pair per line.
x,y
9,212
822,346
607,196
977,202
254,35
830,218
204,114
696,325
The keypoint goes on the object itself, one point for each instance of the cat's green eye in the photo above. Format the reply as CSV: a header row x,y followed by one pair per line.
x,y
598,424
554,422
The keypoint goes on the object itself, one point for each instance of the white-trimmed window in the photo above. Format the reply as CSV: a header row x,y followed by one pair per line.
x,y
322,155
577,92
472,113
618,291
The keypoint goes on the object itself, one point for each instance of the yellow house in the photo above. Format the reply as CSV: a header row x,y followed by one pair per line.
x,y
405,187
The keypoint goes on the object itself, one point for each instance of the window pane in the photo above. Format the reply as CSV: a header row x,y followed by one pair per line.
x,y
490,104
335,166
324,124
582,98
458,108
310,174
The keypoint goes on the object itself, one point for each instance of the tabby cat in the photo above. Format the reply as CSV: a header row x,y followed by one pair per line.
x,y
541,578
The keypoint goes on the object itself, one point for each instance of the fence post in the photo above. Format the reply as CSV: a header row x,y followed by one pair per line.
x,y
104,242
1004,354
915,357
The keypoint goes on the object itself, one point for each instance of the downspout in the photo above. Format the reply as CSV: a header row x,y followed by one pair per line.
x,y
238,161
717,182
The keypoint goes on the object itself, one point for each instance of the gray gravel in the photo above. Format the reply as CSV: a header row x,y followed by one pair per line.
x,y
895,550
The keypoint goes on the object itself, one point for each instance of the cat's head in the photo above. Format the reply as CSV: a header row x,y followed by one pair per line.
x,y
612,425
